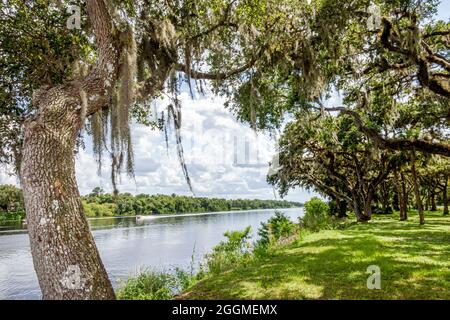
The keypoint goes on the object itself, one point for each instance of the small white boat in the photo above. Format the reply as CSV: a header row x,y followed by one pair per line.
x,y
140,220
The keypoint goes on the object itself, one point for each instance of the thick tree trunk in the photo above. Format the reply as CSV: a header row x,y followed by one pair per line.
x,y
416,189
368,207
65,256
362,208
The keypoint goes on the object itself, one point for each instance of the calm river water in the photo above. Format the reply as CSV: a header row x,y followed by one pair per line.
x,y
126,246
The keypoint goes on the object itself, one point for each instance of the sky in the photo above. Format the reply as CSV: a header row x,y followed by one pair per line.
x,y
444,10
224,158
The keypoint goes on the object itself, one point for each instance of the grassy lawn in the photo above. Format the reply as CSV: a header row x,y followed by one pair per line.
x,y
414,262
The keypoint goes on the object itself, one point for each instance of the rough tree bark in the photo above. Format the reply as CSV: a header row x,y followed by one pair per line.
x,y
362,205
65,256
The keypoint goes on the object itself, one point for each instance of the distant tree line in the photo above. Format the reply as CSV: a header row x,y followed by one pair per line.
x,y
11,203
101,204
98,203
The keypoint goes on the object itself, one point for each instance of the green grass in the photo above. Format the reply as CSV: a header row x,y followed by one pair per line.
x,y
414,262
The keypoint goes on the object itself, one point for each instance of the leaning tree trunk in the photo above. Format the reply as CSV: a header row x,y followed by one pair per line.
x,y
362,207
416,188
65,256
368,207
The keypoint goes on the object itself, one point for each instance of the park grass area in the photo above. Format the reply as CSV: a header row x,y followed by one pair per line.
x,y
332,264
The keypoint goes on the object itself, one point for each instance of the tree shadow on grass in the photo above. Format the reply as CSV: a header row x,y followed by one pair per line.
x,y
414,262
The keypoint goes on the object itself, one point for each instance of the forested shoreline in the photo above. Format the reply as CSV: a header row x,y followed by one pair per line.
x,y
101,204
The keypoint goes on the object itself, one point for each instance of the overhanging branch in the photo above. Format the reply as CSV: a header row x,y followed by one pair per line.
x,y
395,144
214,76
220,75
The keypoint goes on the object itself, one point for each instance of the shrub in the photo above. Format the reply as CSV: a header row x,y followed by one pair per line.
x,y
230,253
316,216
378,210
276,228
148,285
11,203
99,210
184,279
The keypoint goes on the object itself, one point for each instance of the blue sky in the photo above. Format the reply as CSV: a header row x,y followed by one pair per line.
x,y
444,10
214,150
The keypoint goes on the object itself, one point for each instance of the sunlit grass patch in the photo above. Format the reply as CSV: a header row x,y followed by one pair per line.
x,y
414,261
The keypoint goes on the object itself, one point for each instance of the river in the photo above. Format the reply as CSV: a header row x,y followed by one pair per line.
x,y
126,246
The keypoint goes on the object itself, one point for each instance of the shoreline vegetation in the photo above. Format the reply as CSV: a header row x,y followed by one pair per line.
x,y
99,204
300,260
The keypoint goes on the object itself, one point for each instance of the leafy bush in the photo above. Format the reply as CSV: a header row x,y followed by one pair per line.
x,y
185,279
272,231
378,210
12,216
148,285
92,210
11,203
155,285
230,253
316,216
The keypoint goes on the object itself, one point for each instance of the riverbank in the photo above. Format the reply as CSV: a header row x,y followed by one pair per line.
x,y
99,204
414,261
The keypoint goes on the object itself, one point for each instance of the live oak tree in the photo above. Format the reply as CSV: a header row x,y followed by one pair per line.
x,y
332,156
390,70
56,81
391,63
399,76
